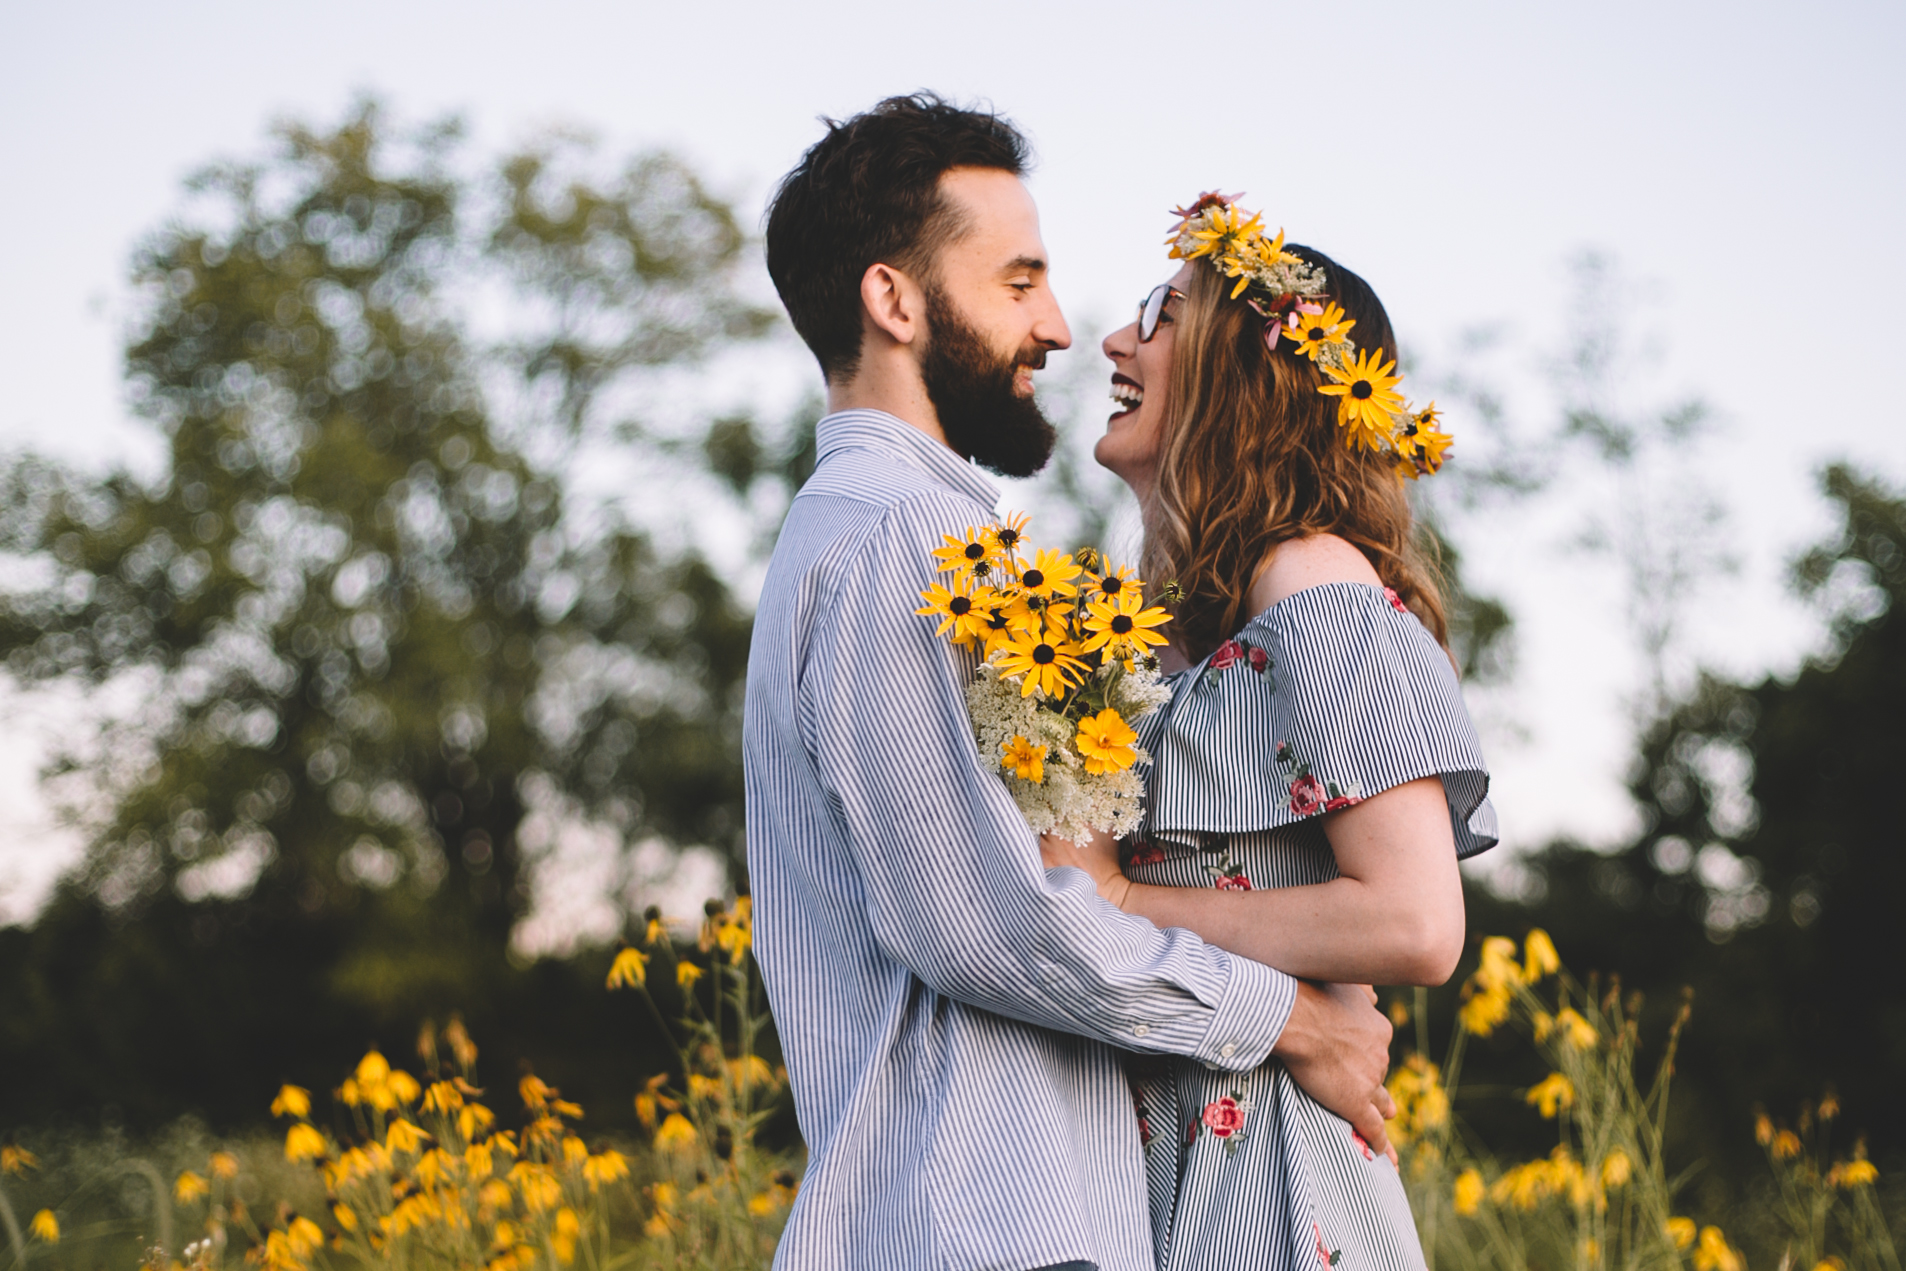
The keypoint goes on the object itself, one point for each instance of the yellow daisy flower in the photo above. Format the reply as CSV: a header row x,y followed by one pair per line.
x,y
961,610
1106,741
1120,627
998,622
1050,574
1048,662
1367,398
971,554
1006,539
1024,760
1112,581
1315,332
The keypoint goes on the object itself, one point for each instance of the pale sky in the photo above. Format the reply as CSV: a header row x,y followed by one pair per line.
x,y
1744,160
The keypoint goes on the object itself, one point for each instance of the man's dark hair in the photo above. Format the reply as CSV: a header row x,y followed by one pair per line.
x,y
869,193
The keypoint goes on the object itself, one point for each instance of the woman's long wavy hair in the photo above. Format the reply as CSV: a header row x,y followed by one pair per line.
x,y
1251,456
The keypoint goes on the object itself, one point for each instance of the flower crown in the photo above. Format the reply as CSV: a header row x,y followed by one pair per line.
x,y
1289,294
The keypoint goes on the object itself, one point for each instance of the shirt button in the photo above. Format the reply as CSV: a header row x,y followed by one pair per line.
x,y
1227,1050
1141,1030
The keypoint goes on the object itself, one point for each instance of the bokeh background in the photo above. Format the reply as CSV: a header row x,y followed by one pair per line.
x,y
398,417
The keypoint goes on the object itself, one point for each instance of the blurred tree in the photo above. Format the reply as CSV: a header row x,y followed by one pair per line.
x,y
1771,867
355,617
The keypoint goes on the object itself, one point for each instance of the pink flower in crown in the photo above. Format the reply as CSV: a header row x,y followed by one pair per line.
x,y
1223,1117
1260,660
1396,601
1147,854
1227,655
1234,882
1307,796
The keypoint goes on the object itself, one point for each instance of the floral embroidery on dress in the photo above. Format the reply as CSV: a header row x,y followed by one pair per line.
x,y
1325,1254
1233,652
1309,796
1222,1119
1396,601
1362,1146
1145,852
1226,874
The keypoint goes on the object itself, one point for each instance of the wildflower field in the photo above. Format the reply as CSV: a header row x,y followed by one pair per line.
x,y
436,1168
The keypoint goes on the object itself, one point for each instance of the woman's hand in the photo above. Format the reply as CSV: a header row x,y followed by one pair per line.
x,y
1097,856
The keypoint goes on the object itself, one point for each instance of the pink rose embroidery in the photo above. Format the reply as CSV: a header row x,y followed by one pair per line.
x,y
1396,601
1307,795
1227,655
1147,854
1223,1117
1234,882
1325,1254
1260,660
1342,801
1362,1146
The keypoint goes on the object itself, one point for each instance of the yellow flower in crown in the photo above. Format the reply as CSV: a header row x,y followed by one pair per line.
x,y
1023,759
1315,332
1048,661
1367,398
1106,742
972,555
1049,576
1007,538
1121,627
1420,444
961,609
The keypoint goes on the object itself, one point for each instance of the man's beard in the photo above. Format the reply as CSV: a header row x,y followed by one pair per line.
x,y
971,387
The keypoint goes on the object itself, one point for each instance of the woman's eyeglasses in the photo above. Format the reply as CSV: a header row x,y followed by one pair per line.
x,y
1152,309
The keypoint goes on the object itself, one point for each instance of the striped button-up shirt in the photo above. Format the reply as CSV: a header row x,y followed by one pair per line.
x,y
951,1013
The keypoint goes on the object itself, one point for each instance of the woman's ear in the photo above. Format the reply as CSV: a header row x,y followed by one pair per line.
x,y
893,303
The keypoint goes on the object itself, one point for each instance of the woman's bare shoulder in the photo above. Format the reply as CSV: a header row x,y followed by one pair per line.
x,y
1309,562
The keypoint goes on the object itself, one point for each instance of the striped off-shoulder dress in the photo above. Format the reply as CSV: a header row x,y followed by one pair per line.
x,y
1332,695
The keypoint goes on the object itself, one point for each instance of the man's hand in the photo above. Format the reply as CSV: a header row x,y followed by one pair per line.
x,y
1337,1047
1097,856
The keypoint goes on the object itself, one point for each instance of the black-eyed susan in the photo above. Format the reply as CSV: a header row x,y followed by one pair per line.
x,y
1048,662
1106,742
1367,398
998,622
960,608
1023,759
1112,580
1122,627
1315,332
1008,537
972,554
1050,575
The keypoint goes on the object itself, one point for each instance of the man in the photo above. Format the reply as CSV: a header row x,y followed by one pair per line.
x,y
948,1010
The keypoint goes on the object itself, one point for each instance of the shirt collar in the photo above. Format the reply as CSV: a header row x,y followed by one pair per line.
x,y
891,435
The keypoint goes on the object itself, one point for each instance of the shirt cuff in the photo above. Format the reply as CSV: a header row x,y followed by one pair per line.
x,y
1250,1017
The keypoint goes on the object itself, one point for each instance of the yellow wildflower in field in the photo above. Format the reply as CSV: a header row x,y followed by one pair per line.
x,y
604,1167
1484,1012
17,1160
1786,1145
1713,1253
1847,1175
734,934
45,1227
303,1143
1421,1102
629,970
292,1101
403,1136
1469,1192
189,1188
1552,1094
686,973
1616,1169
224,1165
1539,956
676,1131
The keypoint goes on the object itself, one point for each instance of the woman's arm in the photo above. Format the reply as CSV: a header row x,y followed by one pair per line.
x,y
1393,916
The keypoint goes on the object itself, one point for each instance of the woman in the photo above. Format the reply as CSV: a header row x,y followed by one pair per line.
x,y
1315,778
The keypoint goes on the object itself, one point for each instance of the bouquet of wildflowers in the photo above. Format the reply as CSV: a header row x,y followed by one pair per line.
x,y
1066,667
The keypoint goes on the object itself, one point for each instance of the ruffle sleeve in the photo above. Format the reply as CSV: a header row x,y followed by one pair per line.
x,y
1330,696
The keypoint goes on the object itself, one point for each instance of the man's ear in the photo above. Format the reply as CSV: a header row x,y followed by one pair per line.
x,y
893,303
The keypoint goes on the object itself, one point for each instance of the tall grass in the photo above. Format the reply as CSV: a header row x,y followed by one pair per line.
x,y
425,1174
